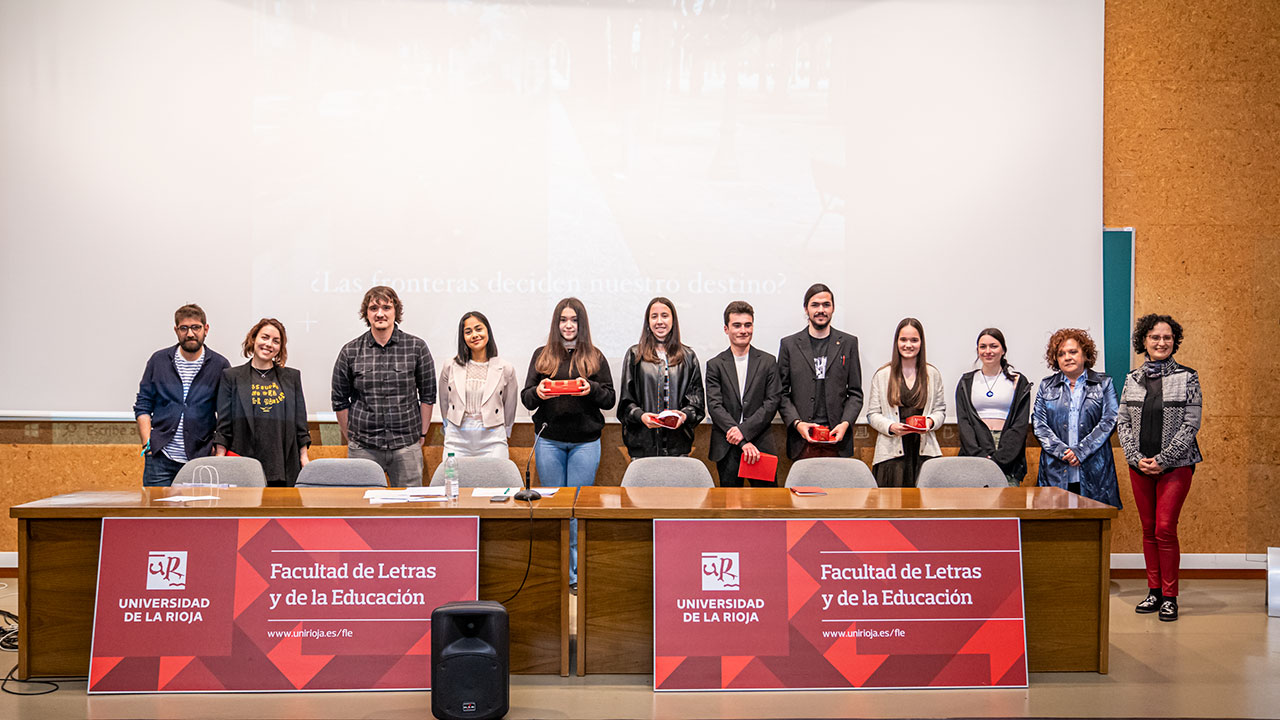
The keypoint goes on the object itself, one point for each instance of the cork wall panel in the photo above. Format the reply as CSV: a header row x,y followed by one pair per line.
x,y
1192,161
32,472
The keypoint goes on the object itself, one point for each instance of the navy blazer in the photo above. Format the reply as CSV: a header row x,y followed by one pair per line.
x,y
160,396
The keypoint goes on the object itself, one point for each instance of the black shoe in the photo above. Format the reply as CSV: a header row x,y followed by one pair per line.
x,y
573,588
1149,604
1169,609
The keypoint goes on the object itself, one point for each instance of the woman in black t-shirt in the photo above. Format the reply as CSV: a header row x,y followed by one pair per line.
x,y
261,411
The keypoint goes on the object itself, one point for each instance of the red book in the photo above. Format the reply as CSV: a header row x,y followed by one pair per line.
x,y
667,418
766,468
807,491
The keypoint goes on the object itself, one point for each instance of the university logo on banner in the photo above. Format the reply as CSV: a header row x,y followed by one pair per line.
x,y
167,570
245,604
816,604
720,571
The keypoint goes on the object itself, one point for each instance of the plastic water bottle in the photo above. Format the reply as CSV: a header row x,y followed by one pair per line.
x,y
451,477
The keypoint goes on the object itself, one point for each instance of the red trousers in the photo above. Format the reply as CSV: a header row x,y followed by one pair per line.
x,y
1159,499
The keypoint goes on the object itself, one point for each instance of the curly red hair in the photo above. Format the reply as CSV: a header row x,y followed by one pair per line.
x,y
1082,339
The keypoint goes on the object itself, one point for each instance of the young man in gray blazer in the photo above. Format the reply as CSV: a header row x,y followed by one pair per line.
x,y
821,376
743,395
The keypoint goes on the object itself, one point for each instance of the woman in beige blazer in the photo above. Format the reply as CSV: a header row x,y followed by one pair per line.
x,y
900,391
478,393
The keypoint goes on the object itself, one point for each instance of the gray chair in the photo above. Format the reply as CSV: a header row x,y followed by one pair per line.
x,y
225,470
968,472
667,472
481,472
342,472
830,473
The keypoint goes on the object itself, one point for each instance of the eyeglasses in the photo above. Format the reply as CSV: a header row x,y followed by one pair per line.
x,y
184,329
1160,338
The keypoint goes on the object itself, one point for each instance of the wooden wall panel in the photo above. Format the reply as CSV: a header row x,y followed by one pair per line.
x,y
1192,162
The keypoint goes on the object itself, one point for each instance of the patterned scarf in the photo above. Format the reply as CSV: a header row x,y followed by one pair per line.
x,y
1159,368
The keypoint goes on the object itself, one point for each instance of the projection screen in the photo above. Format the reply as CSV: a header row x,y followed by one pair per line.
x,y
940,159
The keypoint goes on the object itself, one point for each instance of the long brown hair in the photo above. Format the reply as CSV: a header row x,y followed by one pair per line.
x,y
585,360
649,342
920,392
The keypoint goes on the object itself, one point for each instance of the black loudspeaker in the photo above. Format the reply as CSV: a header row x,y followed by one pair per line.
x,y
470,665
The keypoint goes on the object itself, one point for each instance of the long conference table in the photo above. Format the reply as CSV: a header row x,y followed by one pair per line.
x,y
58,542
1066,546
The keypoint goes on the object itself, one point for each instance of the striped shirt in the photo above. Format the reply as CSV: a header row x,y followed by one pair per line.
x,y
187,369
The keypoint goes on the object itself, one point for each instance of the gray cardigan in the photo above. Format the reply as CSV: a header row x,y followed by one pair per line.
x,y
1180,386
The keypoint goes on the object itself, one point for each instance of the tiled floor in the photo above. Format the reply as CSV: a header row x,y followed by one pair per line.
x,y
1221,659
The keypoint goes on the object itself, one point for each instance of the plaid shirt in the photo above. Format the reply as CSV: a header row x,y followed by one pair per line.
x,y
383,387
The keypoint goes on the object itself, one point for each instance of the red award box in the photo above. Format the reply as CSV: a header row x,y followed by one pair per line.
x,y
561,387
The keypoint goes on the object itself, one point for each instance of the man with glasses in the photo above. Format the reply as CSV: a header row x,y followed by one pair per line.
x,y
176,399
384,390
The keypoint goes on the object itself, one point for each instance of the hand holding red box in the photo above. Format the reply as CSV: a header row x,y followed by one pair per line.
x,y
918,422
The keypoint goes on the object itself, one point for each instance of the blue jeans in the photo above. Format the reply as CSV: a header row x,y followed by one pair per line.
x,y
159,470
566,464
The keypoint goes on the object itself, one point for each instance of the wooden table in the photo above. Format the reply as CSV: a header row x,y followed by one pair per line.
x,y
58,542
1066,559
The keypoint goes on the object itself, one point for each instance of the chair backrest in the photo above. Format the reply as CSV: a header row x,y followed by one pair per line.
x,y
667,472
224,470
480,472
342,472
975,472
830,472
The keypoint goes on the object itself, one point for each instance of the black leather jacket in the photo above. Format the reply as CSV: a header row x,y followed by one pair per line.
x,y
641,392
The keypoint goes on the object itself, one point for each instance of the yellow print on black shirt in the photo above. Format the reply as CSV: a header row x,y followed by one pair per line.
x,y
265,396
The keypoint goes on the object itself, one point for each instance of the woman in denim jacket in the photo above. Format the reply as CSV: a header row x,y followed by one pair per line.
x,y
1075,413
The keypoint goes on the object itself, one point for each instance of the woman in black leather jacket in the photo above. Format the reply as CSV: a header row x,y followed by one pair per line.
x,y
661,399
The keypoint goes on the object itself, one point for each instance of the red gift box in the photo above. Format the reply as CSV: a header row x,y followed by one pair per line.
x,y
562,387
919,422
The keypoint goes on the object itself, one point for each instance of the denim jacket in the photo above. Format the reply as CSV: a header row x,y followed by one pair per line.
x,y
1098,415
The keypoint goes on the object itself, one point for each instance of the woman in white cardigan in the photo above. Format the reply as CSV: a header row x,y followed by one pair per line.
x,y
478,393
906,408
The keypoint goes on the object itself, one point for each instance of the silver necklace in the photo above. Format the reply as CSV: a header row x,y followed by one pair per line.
x,y
989,384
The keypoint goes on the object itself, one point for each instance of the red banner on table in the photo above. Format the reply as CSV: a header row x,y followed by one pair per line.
x,y
818,604
275,604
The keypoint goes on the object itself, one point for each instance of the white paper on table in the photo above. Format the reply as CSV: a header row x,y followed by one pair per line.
x,y
426,491
380,500
186,498
491,492
546,491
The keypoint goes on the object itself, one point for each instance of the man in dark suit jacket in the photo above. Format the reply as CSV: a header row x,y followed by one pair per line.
x,y
821,376
742,397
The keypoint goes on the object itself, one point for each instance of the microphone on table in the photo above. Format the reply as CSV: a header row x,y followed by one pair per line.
x,y
526,493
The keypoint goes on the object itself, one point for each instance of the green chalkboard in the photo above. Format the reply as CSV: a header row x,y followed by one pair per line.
x,y
1117,301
